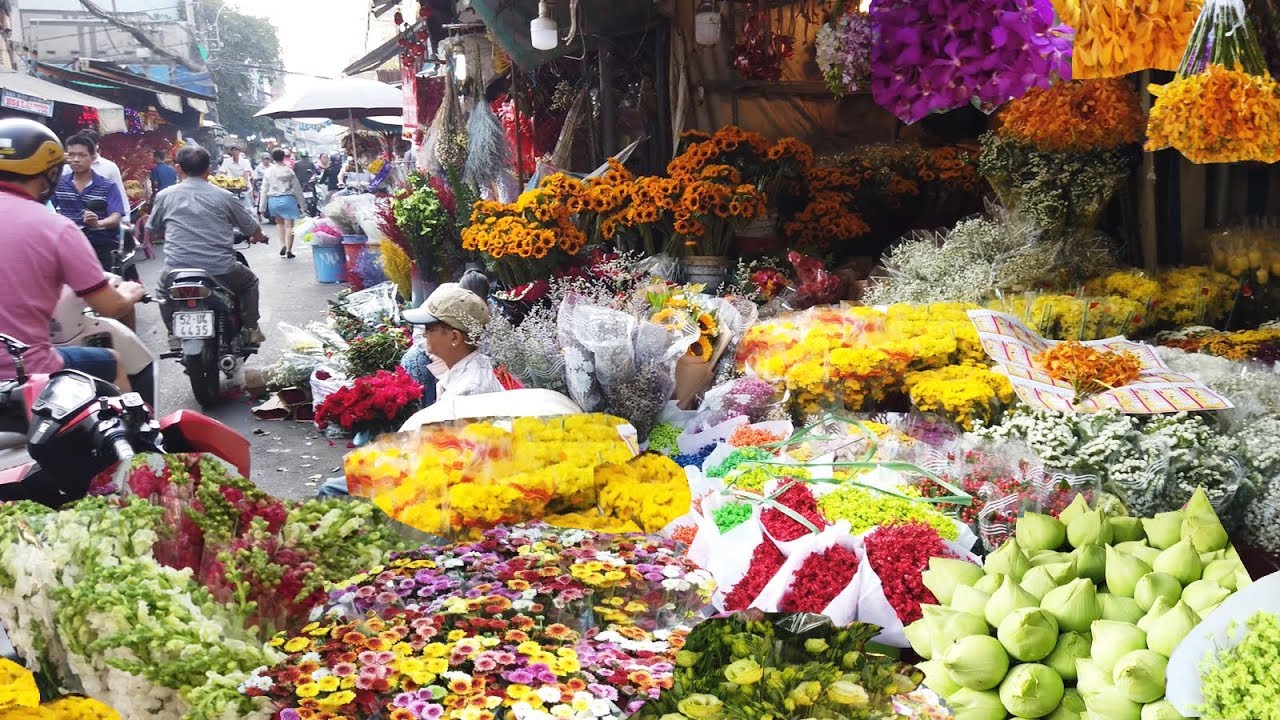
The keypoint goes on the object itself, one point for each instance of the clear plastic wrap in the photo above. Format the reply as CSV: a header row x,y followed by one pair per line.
x,y
619,364
375,306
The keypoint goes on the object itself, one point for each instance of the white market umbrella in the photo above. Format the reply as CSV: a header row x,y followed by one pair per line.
x,y
347,98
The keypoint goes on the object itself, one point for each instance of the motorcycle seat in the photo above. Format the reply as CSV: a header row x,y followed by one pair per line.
x,y
194,275
13,450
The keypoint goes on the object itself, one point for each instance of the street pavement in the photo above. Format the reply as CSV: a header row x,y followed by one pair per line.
x,y
289,458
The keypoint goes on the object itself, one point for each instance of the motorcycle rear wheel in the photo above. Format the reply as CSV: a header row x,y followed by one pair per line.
x,y
202,371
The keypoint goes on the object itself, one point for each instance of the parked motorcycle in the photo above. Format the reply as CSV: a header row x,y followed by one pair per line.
x,y
209,329
58,432
75,325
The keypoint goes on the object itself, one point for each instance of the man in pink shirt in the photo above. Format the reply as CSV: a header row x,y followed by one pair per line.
x,y
44,252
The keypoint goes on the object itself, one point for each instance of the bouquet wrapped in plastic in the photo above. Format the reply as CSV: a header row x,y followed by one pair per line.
x,y
618,363
572,471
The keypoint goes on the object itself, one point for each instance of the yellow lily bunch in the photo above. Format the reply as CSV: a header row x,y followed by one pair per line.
x,y
1117,37
1222,115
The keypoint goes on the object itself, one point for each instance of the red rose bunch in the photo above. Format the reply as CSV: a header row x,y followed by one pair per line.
x,y
798,498
765,563
371,403
899,554
820,578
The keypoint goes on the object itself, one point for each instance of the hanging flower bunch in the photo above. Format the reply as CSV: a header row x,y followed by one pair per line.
x,y
526,239
843,50
1117,37
937,55
1220,106
371,403
760,53
1075,116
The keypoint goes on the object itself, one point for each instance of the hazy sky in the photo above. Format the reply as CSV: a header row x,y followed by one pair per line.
x,y
319,37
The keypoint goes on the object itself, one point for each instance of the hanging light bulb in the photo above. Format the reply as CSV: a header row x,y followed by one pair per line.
x,y
706,24
543,31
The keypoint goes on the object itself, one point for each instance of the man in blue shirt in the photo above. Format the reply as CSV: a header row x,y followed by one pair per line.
x,y
162,175
78,191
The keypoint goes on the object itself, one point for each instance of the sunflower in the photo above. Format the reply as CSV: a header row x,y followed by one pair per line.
x,y
701,349
707,324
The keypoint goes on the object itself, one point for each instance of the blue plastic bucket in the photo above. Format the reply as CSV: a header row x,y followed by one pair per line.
x,y
329,262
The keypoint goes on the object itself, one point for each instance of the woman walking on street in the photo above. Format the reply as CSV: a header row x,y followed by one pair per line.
x,y
282,200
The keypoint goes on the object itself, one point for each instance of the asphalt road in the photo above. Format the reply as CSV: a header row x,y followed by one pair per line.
x,y
289,458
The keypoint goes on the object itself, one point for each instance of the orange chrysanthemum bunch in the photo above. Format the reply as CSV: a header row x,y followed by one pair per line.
x,y
539,225
1118,37
1088,369
1218,116
1075,116
829,216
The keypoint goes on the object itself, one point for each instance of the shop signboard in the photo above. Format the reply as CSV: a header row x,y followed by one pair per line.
x,y
26,103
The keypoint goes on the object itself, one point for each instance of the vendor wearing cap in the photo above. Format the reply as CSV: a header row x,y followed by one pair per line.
x,y
454,318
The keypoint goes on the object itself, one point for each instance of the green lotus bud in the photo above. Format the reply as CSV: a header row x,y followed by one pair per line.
x,y
1074,605
944,574
1205,531
1208,557
1199,503
1047,557
989,583
1008,598
1037,582
1223,572
1114,640
1140,675
1111,704
1078,507
918,634
967,599
1158,608
1156,585
938,679
977,662
1028,634
947,626
1129,546
1091,528
1119,608
1147,555
1009,560
969,704
1070,647
1171,628
1202,594
1181,561
1161,710
1091,562
1090,678
1125,529
1164,529
1242,578
1031,690
1124,572
1071,707
1040,532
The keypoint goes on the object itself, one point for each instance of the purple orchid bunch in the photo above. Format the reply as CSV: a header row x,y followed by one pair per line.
x,y
844,52
936,55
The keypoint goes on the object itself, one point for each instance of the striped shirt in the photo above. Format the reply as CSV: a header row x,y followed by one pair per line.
x,y
71,204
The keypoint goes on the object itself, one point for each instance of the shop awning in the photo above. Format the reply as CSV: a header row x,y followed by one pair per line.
x,y
89,74
375,59
508,22
30,94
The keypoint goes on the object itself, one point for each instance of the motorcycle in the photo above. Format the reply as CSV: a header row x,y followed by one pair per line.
x,y
74,325
208,327
310,195
58,432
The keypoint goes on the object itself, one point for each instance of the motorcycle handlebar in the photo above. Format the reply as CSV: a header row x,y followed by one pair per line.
x,y
122,449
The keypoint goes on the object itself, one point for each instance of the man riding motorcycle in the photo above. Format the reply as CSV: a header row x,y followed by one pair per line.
x,y
198,224
43,252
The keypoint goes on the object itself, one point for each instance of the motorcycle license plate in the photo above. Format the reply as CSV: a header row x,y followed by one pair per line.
x,y
193,325
308,195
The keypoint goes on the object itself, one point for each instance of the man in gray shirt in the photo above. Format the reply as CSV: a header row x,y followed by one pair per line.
x,y
197,222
